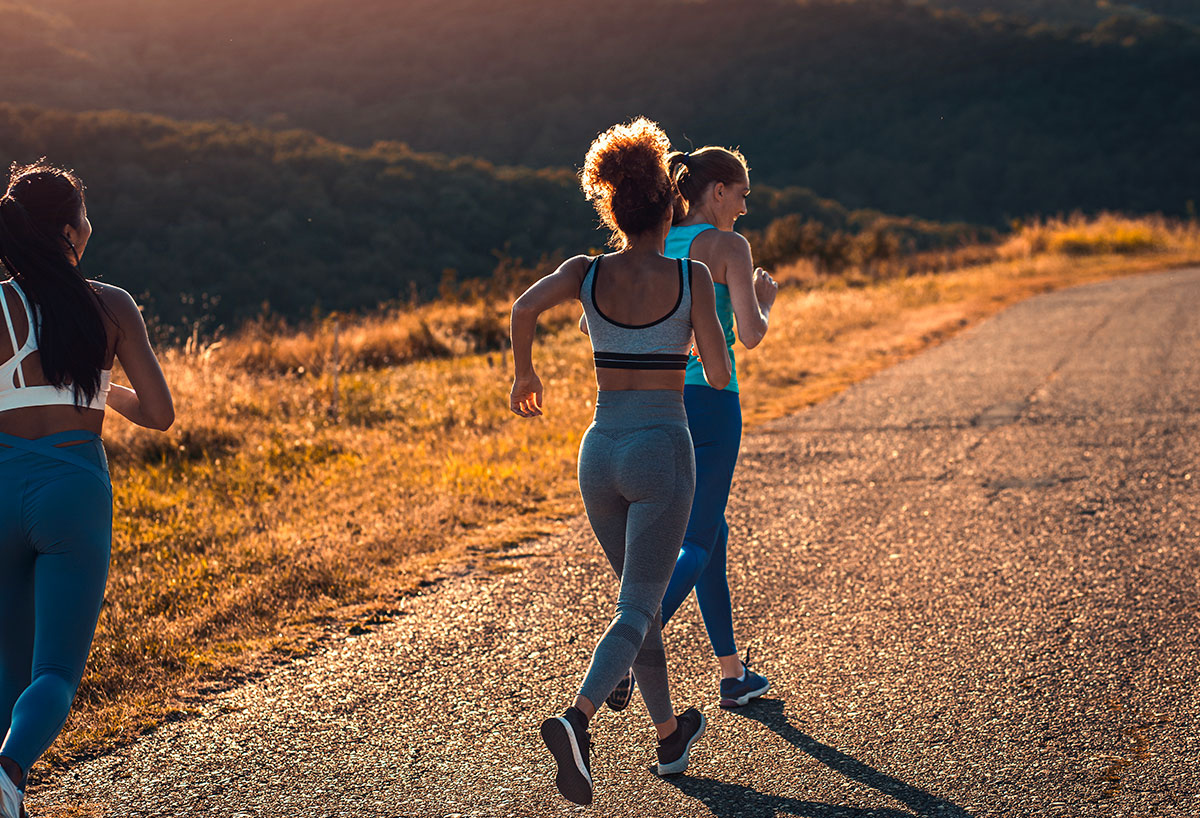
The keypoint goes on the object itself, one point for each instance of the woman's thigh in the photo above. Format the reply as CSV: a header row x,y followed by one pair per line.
x,y
71,555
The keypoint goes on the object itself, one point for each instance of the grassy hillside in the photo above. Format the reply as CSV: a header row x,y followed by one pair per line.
x,y
262,516
875,103
218,222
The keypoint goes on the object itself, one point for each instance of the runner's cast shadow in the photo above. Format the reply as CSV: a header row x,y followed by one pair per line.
x,y
728,800
738,801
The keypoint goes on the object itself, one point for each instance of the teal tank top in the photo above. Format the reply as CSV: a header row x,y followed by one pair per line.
x,y
679,245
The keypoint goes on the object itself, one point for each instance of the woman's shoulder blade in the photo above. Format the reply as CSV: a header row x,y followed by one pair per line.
x,y
120,304
731,240
579,264
716,243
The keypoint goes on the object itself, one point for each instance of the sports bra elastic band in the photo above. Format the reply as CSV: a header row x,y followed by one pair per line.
x,y
637,360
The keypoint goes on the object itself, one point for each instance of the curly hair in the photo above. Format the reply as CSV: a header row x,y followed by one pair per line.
x,y
625,176
693,173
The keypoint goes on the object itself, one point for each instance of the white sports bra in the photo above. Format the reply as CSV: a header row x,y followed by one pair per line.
x,y
14,392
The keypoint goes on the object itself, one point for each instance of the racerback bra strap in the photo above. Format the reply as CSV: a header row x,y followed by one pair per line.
x,y
659,344
12,334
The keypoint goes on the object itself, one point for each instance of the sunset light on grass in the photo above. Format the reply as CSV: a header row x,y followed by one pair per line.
x,y
350,574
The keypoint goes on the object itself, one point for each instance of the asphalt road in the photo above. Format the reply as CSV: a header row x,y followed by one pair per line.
x,y
972,581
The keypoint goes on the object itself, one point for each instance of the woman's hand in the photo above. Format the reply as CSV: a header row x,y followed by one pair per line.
x,y
765,288
526,396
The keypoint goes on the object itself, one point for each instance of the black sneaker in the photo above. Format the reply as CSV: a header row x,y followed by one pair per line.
x,y
571,747
673,750
622,694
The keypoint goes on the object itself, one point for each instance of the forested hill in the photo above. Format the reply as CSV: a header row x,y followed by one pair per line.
x,y
1079,12
874,103
219,219
214,220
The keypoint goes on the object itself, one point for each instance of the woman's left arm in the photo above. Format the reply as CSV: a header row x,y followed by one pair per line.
x,y
526,398
149,402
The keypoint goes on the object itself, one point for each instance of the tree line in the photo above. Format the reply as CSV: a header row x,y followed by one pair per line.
x,y
910,109
219,223
1078,12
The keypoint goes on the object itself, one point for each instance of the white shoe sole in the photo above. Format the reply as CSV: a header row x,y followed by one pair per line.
x,y
680,764
10,797
573,779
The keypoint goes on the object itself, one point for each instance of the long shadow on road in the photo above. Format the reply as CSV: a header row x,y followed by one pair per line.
x,y
727,800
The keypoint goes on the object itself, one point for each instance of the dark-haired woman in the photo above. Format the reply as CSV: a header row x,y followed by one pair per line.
x,y
61,335
636,472
713,184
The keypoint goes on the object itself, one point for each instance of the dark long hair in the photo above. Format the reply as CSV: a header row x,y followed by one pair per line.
x,y
69,327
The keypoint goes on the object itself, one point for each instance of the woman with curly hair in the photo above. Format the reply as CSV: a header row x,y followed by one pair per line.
x,y
61,335
713,185
636,469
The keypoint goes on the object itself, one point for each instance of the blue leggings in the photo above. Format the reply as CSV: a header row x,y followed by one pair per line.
x,y
55,536
715,421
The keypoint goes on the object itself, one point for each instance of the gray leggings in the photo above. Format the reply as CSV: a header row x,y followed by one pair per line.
x,y
637,474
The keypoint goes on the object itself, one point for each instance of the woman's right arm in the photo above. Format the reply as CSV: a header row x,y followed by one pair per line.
x,y
560,286
149,402
710,337
751,289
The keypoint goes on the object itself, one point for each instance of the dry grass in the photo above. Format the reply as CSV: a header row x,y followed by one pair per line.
x,y
259,521
1106,234
394,338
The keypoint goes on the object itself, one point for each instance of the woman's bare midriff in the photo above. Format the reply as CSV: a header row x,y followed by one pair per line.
x,y
618,379
38,421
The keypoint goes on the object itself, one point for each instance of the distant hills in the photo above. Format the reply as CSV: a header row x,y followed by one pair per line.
x,y
1078,12
910,109
219,222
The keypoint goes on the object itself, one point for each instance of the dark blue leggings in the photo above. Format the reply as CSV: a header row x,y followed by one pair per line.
x,y
55,532
715,421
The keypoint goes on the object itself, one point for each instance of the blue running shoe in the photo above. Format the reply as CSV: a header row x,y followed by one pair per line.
x,y
739,692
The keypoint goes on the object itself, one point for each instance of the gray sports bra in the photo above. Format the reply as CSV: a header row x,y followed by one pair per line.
x,y
661,344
